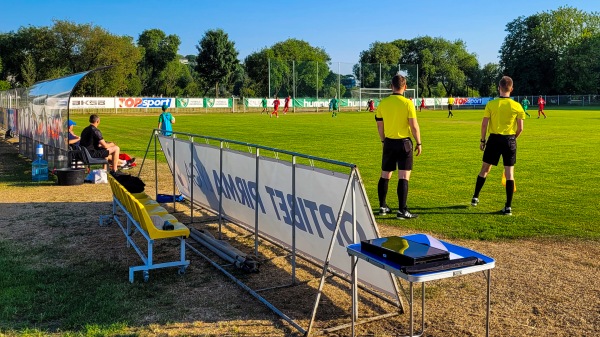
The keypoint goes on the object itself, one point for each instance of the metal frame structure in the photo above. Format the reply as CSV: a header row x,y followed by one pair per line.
x,y
355,251
129,228
349,195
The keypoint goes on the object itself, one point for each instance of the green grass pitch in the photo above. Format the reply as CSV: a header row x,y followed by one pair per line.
x,y
557,182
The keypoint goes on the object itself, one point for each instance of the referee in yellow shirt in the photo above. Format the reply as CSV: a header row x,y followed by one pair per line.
x,y
503,118
396,123
450,105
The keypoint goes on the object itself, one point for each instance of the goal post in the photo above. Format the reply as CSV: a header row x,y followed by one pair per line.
x,y
377,94
410,94
375,80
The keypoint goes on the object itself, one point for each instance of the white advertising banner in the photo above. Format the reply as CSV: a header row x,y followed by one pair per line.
x,y
92,102
319,194
189,102
218,102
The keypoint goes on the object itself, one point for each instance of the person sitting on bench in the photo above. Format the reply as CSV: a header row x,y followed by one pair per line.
x,y
91,138
73,138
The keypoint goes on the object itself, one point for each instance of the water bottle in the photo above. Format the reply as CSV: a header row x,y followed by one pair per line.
x,y
39,167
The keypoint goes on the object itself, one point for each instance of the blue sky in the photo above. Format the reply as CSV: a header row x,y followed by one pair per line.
x,y
342,28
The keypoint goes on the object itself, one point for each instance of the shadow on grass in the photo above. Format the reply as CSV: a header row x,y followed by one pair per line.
x,y
453,209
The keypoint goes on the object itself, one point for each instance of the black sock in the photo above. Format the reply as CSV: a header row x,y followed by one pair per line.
x,y
402,191
478,186
382,189
510,189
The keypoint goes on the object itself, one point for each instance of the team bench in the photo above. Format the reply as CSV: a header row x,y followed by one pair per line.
x,y
139,213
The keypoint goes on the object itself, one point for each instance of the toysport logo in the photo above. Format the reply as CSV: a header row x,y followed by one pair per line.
x,y
468,101
137,102
155,102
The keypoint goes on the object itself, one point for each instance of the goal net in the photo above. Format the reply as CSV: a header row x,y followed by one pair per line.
x,y
377,94
375,80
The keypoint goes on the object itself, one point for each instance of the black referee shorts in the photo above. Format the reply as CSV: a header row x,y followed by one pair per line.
x,y
500,145
397,153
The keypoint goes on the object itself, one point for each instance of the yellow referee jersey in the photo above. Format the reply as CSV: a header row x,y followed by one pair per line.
x,y
502,113
395,110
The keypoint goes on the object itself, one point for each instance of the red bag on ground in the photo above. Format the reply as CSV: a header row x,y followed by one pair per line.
x,y
127,158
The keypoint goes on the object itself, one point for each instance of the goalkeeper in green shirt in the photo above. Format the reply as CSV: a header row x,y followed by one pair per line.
x,y
525,104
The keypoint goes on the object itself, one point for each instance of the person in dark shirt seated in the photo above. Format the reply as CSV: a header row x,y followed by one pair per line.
x,y
91,138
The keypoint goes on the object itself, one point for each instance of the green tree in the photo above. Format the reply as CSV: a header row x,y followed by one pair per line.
x,y
257,70
39,42
378,64
439,62
4,85
578,69
535,46
41,53
217,59
280,62
490,76
159,50
118,52
331,86
28,71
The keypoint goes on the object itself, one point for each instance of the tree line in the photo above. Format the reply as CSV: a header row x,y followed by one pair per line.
x,y
551,52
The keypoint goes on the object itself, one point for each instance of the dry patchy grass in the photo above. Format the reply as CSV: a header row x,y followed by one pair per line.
x,y
540,287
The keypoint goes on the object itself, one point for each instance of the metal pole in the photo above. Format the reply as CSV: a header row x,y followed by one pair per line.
x,y
269,76
354,258
418,82
339,91
317,102
249,290
220,188
155,164
411,327
488,312
256,204
191,180
173,168
329,252
293,219
360,88
294,84
379,80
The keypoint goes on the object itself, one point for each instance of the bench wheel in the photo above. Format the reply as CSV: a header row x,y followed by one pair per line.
x,y
181,271
146,276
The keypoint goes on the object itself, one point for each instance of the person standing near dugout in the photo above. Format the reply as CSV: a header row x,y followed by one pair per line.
x,y
503,118
396,122
166,121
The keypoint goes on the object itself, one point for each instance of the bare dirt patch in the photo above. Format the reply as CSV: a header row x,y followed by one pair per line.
x,y
540,287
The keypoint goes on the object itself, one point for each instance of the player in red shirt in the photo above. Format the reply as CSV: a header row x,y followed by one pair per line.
x,y
286,105
422,104
276,107
541,104
371,105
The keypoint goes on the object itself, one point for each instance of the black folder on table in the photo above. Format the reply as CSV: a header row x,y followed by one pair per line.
x,y
402,251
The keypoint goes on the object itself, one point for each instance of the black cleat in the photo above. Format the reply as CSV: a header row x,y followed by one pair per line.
x,y
384,210
405,214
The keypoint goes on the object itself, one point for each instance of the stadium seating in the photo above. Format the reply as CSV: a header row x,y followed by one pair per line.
x,y
139,215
